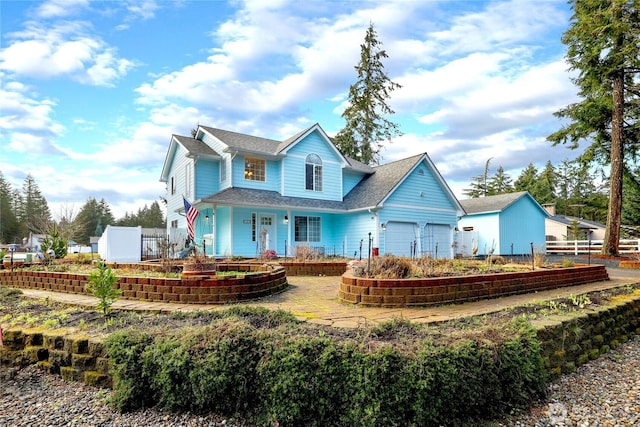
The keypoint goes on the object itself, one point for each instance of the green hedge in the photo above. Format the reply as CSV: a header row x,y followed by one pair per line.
x,y
301,376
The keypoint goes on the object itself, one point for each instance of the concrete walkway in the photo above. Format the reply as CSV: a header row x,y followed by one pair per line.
x,y
315,299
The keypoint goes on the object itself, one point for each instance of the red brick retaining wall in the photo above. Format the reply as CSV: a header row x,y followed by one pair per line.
x,y
445,290
314,268
258,281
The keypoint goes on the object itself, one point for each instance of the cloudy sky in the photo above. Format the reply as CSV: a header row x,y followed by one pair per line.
x,y
91,91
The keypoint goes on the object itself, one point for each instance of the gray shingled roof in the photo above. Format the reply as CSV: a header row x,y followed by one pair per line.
x,y
373,189
195,146
270,147
486,204
250,197
242,142
368,193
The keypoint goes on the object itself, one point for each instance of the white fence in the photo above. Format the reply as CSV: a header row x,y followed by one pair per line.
x,y
576,247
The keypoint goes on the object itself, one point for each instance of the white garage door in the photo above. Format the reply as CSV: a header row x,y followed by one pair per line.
x,y
400,238
437,241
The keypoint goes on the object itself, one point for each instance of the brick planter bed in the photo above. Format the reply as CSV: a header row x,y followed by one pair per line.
x,y
254,281
457,289
629,264
294,268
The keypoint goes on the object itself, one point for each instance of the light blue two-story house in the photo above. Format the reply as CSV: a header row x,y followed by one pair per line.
x,y
256,194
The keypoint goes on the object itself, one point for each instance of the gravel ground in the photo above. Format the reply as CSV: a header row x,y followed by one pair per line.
x,y
602,393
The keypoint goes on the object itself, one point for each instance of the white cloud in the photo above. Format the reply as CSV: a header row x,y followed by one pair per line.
x,y
23,112
61,8
63,49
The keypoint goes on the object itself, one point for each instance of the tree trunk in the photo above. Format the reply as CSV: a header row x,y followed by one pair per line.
x,y
611,243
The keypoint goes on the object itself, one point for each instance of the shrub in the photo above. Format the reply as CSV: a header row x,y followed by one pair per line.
x,y
223,366
131,384
308,381
269,254
101,284
297,375
56,243
305,253
388,267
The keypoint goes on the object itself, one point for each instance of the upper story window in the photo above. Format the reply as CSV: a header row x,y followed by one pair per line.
x,y
313,173
254,169
173,185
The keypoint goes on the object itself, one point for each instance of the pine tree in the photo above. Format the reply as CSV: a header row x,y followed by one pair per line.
x,y
545,189
527,179
631,198
500,183
91,214
366,126
35,213
604,47
479,186
9,227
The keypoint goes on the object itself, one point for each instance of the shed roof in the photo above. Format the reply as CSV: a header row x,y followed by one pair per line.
x,y
497,203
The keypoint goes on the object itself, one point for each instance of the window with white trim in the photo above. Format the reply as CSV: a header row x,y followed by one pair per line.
x,y
313,173
254,169
307,228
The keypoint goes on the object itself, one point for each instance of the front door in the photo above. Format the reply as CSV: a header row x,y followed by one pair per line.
x,y
267,233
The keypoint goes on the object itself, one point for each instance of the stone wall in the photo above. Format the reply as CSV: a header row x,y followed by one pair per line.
x,y
570,342
75,357
252,281
457,289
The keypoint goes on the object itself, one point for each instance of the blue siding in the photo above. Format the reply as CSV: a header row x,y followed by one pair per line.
x,y
207,178
272,175
223,232
174,201
294,169
422,190
521,224
349,181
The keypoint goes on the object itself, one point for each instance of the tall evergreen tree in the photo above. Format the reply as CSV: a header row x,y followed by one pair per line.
x,y
148,217
479,186
500,183
9,227
34,213
366,125
545,189
527,179
631,198
604,47
91,214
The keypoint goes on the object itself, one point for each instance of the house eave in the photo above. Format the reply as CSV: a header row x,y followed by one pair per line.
x,y
260,154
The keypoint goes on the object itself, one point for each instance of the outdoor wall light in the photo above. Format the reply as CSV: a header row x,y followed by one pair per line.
x,y
383,226
286,219
206,218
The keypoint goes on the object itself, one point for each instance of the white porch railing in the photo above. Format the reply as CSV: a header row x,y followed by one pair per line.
x,y
576,247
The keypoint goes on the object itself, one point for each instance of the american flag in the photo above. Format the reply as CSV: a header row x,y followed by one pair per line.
x,y
191,213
